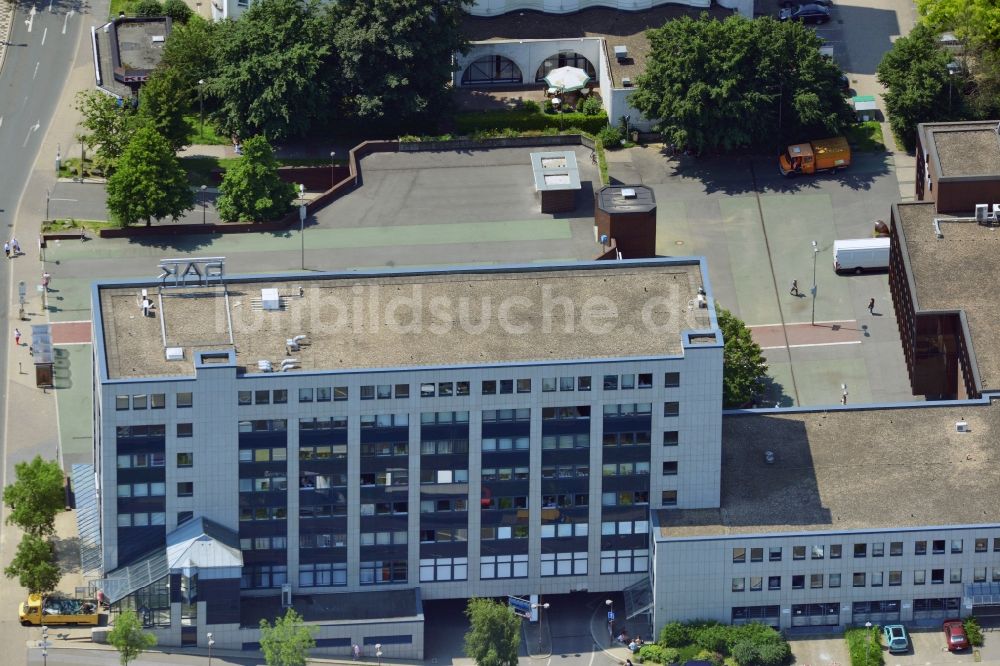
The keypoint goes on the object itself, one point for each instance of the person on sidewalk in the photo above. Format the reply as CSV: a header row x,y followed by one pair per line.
x,y
17,337
15,247
6,248
871,306
794,291
46,278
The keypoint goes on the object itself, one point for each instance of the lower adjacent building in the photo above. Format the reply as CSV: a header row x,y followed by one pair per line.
x,y
373,440
840,518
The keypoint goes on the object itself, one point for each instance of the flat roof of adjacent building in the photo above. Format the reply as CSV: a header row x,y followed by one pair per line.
x,y
617,28
963,148
958,271
851,470
419,318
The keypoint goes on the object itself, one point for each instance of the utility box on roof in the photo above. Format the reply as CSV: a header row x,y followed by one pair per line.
x,y
627,213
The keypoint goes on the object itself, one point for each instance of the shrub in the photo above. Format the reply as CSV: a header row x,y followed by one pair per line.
x,y
863,652
149,8
972,631
531,106
674,634
772,654
610,136
591,106
521,120
712,638
177,10
710,656
659,654
549,106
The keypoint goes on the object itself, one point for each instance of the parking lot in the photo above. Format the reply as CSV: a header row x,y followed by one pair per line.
x,y
927,648
756,228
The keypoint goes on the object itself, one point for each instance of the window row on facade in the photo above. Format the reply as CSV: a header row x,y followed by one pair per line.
x,y
865,549
863,579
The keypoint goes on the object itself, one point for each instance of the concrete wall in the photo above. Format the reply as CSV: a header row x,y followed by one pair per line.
x,y
529,54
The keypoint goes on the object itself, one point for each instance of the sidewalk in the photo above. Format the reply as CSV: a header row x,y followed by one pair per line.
x,y
603,639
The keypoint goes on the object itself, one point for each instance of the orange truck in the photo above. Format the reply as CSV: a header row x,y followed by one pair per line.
x,y
815,156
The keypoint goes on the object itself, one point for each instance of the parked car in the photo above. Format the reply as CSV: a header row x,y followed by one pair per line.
x,y
896,638
796,3
810,13
954,635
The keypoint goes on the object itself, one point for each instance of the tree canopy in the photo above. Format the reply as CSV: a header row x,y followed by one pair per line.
x,y
191,53
739,83
743,364
163,102
915,74
252,190
36,497
274,69
108,125
974,20
287,642
396,56
149,182
128,637
34,565
494,635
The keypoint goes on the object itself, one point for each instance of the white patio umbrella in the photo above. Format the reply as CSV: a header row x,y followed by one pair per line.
x,y
567,79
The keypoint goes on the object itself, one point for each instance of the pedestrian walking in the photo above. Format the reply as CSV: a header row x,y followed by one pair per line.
x,y
794,291
628,662
46,278
357,651
17,337
15,247
6,248
871,306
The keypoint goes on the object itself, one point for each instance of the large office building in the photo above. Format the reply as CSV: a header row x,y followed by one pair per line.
x,y
425,434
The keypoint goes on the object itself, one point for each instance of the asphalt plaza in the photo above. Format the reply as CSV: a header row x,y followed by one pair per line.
x,y
756,228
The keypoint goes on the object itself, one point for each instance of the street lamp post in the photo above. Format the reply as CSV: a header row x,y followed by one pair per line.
x,y
204,203
44,644
815,253
302,222
48,196
378,653
333,154
211,642
201,107
540,608
611,617
868,650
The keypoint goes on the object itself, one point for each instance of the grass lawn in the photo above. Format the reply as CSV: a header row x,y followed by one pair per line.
x,y
70,168
203,135
56,226
118,6
866,137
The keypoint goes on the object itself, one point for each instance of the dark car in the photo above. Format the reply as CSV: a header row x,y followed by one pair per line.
x,y
796,3
811,13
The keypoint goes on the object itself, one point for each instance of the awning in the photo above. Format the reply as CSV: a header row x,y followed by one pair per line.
x,y
88,518
982,594
864,103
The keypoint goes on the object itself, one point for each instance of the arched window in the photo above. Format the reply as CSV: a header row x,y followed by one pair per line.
x,y
565,59
491,69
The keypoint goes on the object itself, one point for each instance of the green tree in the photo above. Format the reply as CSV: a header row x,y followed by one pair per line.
x,y
177,10
396,56
128,637
108,125
288,641
149,182
36,497
915,74
252,190
34,565
743,364
190,51
494,636
149,8
739,82
273,70
163,103
971,20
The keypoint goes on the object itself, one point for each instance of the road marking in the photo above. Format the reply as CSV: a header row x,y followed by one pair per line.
x,y
31,130
1,121
54,199
36,67
66,20
50,6
815,344
31,18
45,33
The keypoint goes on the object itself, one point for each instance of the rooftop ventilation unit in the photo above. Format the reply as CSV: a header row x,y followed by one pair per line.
x,y
621,52
626,82
175,353
265,366
961,426
269,299
628,192
982,212
769,457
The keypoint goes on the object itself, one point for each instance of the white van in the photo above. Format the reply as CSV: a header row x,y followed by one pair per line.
x,y
861,254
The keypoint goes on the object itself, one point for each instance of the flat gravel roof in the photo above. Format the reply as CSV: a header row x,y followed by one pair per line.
x,y
965,149
478,316
851,470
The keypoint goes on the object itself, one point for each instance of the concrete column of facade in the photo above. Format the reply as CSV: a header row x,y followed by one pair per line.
x,y
413,515
475,491
535,496
596,460
353,499
292,494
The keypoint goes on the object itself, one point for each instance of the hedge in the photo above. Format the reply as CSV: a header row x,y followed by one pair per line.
x,y
518,119
659,654
864,646
973,632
